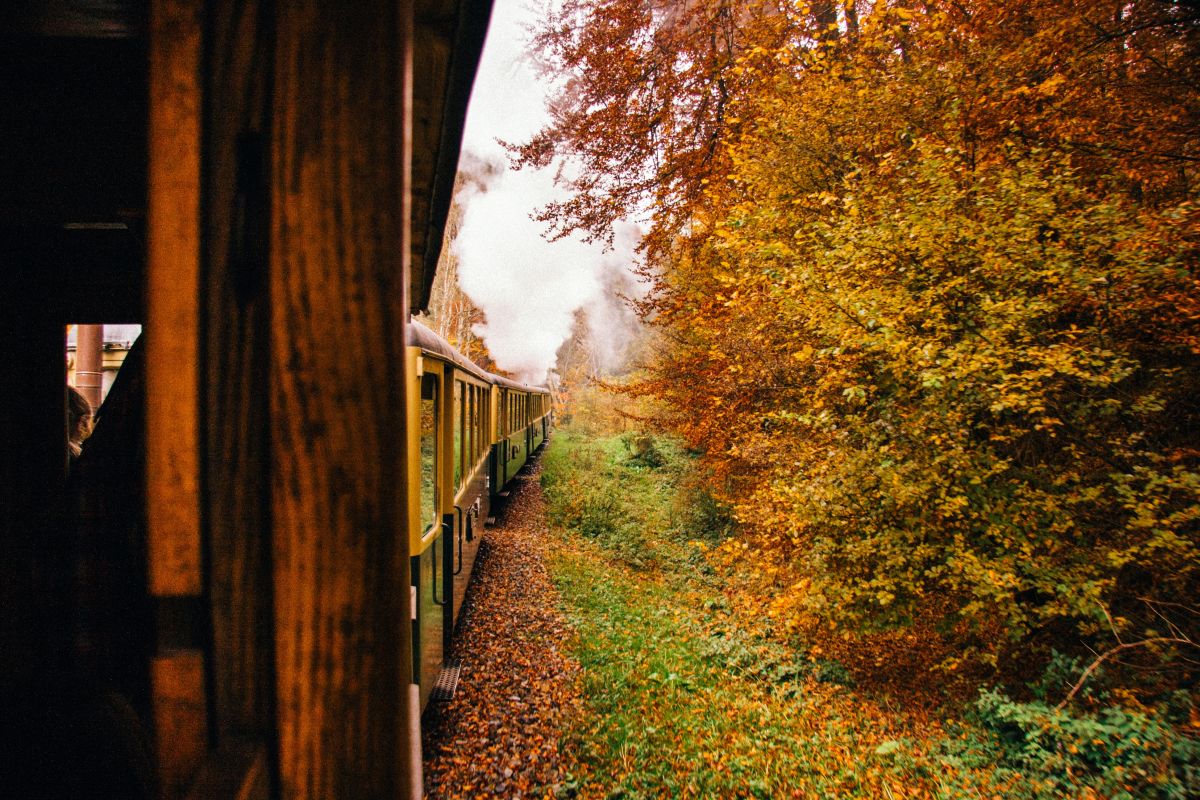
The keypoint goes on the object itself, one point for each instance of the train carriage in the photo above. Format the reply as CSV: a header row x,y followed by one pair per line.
x,y
264,187
475,432
448,473
523,419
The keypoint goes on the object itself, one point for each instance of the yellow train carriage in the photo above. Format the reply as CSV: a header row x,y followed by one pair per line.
x,y
449,446
522,420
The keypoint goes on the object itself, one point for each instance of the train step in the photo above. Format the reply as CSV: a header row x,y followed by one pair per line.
x,y
491,521
447,682
504,493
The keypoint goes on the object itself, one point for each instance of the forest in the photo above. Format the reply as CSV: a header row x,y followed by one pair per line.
x,y
924,283
924,322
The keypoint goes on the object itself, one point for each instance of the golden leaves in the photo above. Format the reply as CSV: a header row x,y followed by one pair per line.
x,y
932,319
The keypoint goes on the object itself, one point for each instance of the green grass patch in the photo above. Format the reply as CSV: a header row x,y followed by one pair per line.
x,y
679,702
683,699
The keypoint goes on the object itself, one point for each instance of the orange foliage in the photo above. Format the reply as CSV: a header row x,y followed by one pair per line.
x,y
927,282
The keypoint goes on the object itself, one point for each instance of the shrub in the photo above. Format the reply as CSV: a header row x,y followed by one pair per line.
x,y
1116,753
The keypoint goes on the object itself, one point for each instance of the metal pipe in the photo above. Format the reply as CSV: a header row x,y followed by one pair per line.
x,y
89,362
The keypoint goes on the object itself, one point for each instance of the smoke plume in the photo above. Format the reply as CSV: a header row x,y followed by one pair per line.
x,y
527,287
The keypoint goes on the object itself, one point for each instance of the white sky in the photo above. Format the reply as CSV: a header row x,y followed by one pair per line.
x,y
527,288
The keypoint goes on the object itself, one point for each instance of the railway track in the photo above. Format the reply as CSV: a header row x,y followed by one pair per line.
x,y
499,735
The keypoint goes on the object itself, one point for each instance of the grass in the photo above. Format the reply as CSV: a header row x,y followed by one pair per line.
x,y
684,696
680,701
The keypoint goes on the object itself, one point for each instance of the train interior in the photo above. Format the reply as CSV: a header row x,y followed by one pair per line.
x,y
72,201
152,588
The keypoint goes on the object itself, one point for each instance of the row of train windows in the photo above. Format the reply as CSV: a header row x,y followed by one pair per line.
x,y
469,434
470,437
517,411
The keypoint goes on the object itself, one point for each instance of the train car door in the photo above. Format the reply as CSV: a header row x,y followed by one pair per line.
x,y
429,557
453,521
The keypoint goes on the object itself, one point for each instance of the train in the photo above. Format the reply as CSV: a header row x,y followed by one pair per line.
x,y
471,433
246,583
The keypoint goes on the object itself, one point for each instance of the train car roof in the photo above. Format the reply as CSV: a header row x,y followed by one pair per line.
x,y
420,336
447,45
500,380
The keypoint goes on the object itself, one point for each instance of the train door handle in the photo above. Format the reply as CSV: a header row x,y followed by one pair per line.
x,y
442,600
461,525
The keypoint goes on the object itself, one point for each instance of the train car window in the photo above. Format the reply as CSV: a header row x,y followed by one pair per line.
x,y
94,355
474,426
479,423
468,426
458,433
429,433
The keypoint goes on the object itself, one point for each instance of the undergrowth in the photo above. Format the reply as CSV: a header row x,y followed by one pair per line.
x,y
685,697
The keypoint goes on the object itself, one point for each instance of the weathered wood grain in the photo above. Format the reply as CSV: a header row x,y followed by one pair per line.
x,y
337,397
236,351
180,722
172,299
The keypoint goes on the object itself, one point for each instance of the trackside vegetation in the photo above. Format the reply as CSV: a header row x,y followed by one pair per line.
x,y
924,297
688,692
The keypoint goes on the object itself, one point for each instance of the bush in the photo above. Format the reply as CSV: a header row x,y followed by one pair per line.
x,y
1114,752
636,494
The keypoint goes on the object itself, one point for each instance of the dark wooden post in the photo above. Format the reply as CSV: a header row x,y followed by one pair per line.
x,y
338,310
173,491
236,353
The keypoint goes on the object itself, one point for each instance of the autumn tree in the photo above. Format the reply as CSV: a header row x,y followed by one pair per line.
x,y
928,275
639,122
452,314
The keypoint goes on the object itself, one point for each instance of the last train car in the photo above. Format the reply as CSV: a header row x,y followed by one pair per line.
x,y
214,598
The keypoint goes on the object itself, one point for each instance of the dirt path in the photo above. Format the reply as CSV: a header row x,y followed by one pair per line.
x,y
499,736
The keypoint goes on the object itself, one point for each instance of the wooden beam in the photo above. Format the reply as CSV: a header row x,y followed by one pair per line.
x,y
338,310
180,719
172,299
236,351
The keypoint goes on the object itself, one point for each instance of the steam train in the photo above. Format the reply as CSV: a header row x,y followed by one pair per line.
x,y
244,585
476,431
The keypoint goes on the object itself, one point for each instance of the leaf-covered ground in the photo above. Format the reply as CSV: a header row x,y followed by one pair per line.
x,y
499,736
605,658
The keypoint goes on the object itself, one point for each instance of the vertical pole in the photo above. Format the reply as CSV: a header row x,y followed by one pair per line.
x,y
89,362
173,519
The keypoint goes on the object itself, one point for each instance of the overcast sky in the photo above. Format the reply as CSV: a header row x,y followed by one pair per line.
x,y
528,289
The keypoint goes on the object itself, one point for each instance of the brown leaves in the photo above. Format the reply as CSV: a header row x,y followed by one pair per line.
x,y
499,736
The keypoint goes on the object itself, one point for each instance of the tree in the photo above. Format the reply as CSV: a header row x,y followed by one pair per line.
x,y
930,289
639,122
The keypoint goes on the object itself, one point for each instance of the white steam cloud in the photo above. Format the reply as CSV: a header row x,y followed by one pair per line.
x,y
528,288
